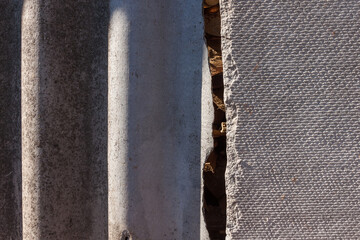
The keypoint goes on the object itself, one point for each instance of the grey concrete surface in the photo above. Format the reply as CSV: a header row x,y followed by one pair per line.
x,y
10,131
105,119
155,72
207,141
64,119
292,95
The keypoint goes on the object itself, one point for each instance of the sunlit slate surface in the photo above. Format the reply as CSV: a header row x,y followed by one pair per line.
x,y
292,78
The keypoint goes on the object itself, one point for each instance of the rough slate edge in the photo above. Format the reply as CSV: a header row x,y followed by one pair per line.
x,y
230,73
234,172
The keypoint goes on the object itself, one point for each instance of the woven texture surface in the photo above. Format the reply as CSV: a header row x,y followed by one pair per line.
x,y
292,71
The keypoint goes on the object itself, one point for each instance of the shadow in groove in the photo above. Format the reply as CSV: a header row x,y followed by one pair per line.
x,y
10,120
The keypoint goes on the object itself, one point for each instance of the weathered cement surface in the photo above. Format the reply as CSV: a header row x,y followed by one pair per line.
x,y
207,142
64,119
292,96
10,131
155,72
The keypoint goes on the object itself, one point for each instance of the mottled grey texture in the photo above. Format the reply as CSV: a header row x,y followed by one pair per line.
x,y
207,141
64,119
10,131
155,80
292,91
